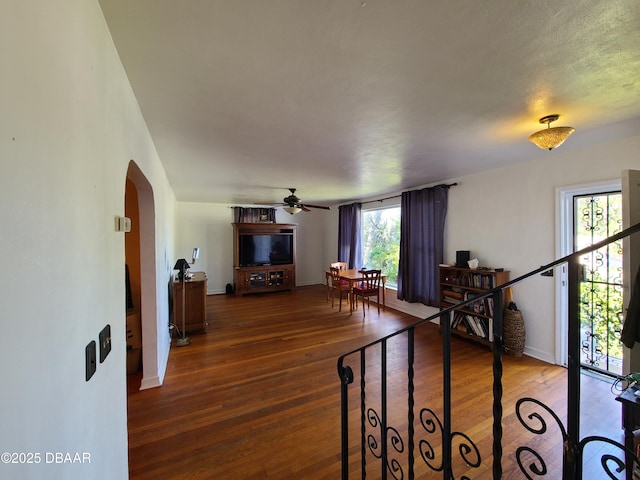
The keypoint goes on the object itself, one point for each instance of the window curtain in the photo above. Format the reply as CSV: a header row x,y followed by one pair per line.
x,y
254,215
422,219
349,244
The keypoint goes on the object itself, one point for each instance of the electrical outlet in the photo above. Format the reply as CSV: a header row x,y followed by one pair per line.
x,y
105,342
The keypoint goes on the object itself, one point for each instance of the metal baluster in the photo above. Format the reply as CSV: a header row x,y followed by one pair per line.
x,y
411,401
498,316
570,457
383,394
346,377
446,394
363,441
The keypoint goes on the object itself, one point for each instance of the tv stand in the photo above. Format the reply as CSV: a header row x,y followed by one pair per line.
x,y
263,278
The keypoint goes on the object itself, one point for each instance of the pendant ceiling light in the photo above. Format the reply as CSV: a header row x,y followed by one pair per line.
x,y
551,137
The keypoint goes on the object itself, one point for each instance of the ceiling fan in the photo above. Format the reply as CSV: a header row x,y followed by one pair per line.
x,y
293,204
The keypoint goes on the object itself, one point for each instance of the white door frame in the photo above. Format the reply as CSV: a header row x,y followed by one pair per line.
x,y
564,246
631,261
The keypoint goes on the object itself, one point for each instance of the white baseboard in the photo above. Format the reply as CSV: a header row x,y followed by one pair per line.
x,y
152,382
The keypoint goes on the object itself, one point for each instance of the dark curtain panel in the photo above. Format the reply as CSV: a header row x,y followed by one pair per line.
x,y
422,219
349,244
254,215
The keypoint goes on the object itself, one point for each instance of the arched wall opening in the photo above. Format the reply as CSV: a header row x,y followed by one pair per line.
x,y
140,253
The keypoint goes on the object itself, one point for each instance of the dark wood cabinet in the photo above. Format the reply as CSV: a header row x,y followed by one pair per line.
x,y
195,302
265,279
269,273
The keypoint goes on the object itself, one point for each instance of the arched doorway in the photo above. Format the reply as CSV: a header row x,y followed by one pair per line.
x,y
140,256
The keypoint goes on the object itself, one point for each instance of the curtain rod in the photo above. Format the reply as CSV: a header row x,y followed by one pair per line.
x,y
398,196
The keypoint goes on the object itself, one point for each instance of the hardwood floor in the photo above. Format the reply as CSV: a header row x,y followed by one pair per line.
x,y
258,395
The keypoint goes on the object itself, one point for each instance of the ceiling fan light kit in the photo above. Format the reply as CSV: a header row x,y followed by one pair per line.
x,y
292,210
551,137
293,205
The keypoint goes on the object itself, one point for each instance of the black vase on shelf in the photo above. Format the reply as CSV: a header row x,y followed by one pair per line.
x,y
462,257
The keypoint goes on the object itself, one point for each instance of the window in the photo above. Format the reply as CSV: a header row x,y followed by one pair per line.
x,y
381,241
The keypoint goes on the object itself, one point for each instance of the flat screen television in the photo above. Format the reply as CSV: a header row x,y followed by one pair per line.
x,y
265,249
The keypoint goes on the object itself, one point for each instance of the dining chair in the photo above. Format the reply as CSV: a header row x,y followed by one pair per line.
x,y
327,282
339,286
339,265
369,287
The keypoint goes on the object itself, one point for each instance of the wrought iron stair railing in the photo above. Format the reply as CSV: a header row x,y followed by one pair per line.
x,y
421,443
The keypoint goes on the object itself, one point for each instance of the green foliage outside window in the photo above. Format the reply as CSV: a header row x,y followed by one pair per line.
x,y
381,241
601,313
598,217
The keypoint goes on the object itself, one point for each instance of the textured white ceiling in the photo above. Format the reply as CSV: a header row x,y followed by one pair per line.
x,y
346,99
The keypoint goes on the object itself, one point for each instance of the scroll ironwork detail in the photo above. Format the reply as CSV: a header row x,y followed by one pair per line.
x,y
468,450
535,422
375,444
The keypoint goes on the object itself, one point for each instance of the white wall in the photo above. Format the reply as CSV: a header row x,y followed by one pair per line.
x,y
313,232
505,217
70,125
209,227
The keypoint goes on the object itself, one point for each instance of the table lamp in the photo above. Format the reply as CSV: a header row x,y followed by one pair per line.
x,y
181,266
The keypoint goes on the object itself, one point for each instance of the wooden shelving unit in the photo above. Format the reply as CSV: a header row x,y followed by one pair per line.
x,y
475,321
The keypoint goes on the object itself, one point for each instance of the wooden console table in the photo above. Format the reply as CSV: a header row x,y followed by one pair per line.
x,y
195,303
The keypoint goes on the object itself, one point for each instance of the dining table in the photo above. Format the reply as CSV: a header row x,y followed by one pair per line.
x,y
354,276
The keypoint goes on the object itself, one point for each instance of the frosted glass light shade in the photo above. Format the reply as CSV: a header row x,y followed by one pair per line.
x,y
292,210
551,138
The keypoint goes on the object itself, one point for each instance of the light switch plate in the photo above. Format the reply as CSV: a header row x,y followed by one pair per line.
x,y
123,224
90,359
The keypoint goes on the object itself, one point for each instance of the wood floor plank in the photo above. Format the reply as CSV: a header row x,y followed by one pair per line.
x,y
258,395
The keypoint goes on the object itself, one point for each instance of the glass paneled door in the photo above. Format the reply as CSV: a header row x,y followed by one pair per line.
x,y
597,217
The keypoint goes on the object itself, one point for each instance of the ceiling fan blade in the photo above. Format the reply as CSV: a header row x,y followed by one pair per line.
x,y
292,201
317,206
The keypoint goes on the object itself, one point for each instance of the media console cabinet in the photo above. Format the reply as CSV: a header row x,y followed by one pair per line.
x,y
264,257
